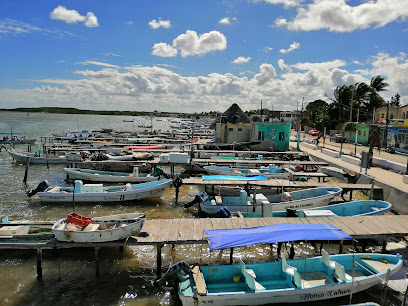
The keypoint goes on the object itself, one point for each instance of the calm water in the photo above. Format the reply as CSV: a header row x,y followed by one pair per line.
x,y
69,275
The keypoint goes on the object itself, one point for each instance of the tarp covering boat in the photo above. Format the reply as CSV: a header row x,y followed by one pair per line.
x,y
235,178
231,238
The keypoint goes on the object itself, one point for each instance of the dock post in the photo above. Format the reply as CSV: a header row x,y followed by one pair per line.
x,y
159,259
278,250
39,263
26,170
384,246
97,262
341,247
384,293
231,255
372,189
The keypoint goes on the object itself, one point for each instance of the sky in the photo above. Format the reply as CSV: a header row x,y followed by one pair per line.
x,y
197,55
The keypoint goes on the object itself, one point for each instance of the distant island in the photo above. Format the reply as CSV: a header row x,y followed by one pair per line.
x,y
71,110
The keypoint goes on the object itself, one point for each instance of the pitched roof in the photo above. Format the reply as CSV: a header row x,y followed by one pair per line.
x,y
230,113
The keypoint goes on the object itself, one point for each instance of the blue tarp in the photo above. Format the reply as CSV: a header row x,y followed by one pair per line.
x,y
232,238
235,178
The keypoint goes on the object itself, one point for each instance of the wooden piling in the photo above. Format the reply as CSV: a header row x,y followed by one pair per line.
x,y
231,255
26,170
39,263
159,259
97,262
384,293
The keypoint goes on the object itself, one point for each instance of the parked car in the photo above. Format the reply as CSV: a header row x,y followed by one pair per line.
x,y
314,133
338,138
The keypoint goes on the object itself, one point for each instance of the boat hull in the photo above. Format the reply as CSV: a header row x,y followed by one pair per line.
x,y
150,191
107,177
211,207
22,158
118,233
279,288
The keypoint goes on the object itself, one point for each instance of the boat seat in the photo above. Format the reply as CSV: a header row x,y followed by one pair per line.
x,y
375,208
378,265
54,189
287,268
91,227
250,277
326,260
199,281
340,273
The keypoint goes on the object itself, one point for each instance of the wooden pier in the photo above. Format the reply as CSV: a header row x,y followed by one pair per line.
x,y
159,232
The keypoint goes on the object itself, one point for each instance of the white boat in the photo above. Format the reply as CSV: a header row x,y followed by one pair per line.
x,y
98,193
287,281
76,228
109,176
36,159
270,172
299,199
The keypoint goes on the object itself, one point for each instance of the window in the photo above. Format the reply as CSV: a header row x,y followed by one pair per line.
x,y
382,116
235,119
281,136
239,129
365,133
230,129
261,135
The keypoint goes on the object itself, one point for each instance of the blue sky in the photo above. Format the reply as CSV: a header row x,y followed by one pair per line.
x,y
197,55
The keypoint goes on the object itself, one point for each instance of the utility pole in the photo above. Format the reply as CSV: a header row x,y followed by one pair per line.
x,y
386,124
351,104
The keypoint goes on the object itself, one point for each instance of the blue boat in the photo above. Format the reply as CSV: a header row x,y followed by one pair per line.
x,y
347,209
286,281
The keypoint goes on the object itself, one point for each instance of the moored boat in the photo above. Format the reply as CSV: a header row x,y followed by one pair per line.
x,y
299,199
270,172
346,209
99,193
37,159
109,176
76,228
287,281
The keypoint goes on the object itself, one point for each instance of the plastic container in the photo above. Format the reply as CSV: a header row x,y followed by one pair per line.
x,y
236,278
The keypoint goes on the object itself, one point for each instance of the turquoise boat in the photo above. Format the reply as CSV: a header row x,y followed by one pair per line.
x,y
347,209
287,281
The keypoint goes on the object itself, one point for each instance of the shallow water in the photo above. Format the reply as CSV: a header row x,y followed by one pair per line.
x,y
69,274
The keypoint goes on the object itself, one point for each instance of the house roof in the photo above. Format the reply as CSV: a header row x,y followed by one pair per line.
x,y
230,113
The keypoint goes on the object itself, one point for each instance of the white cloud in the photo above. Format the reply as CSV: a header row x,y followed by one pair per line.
x,y
286,3
155,24
86,63
241,60
164,50
338,16
72,16
227,20
267,49
111,54
12,27
190,44
129,22
267,74
107,86
293,46
283,66
91,20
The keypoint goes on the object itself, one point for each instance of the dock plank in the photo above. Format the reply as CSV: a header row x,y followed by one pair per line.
x,y
173,231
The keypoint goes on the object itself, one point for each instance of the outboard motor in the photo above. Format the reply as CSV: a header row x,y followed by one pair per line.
x,y
290,213
41,187
199,198
177,272
224,212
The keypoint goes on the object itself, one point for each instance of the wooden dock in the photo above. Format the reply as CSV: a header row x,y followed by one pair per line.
x,y
159,232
